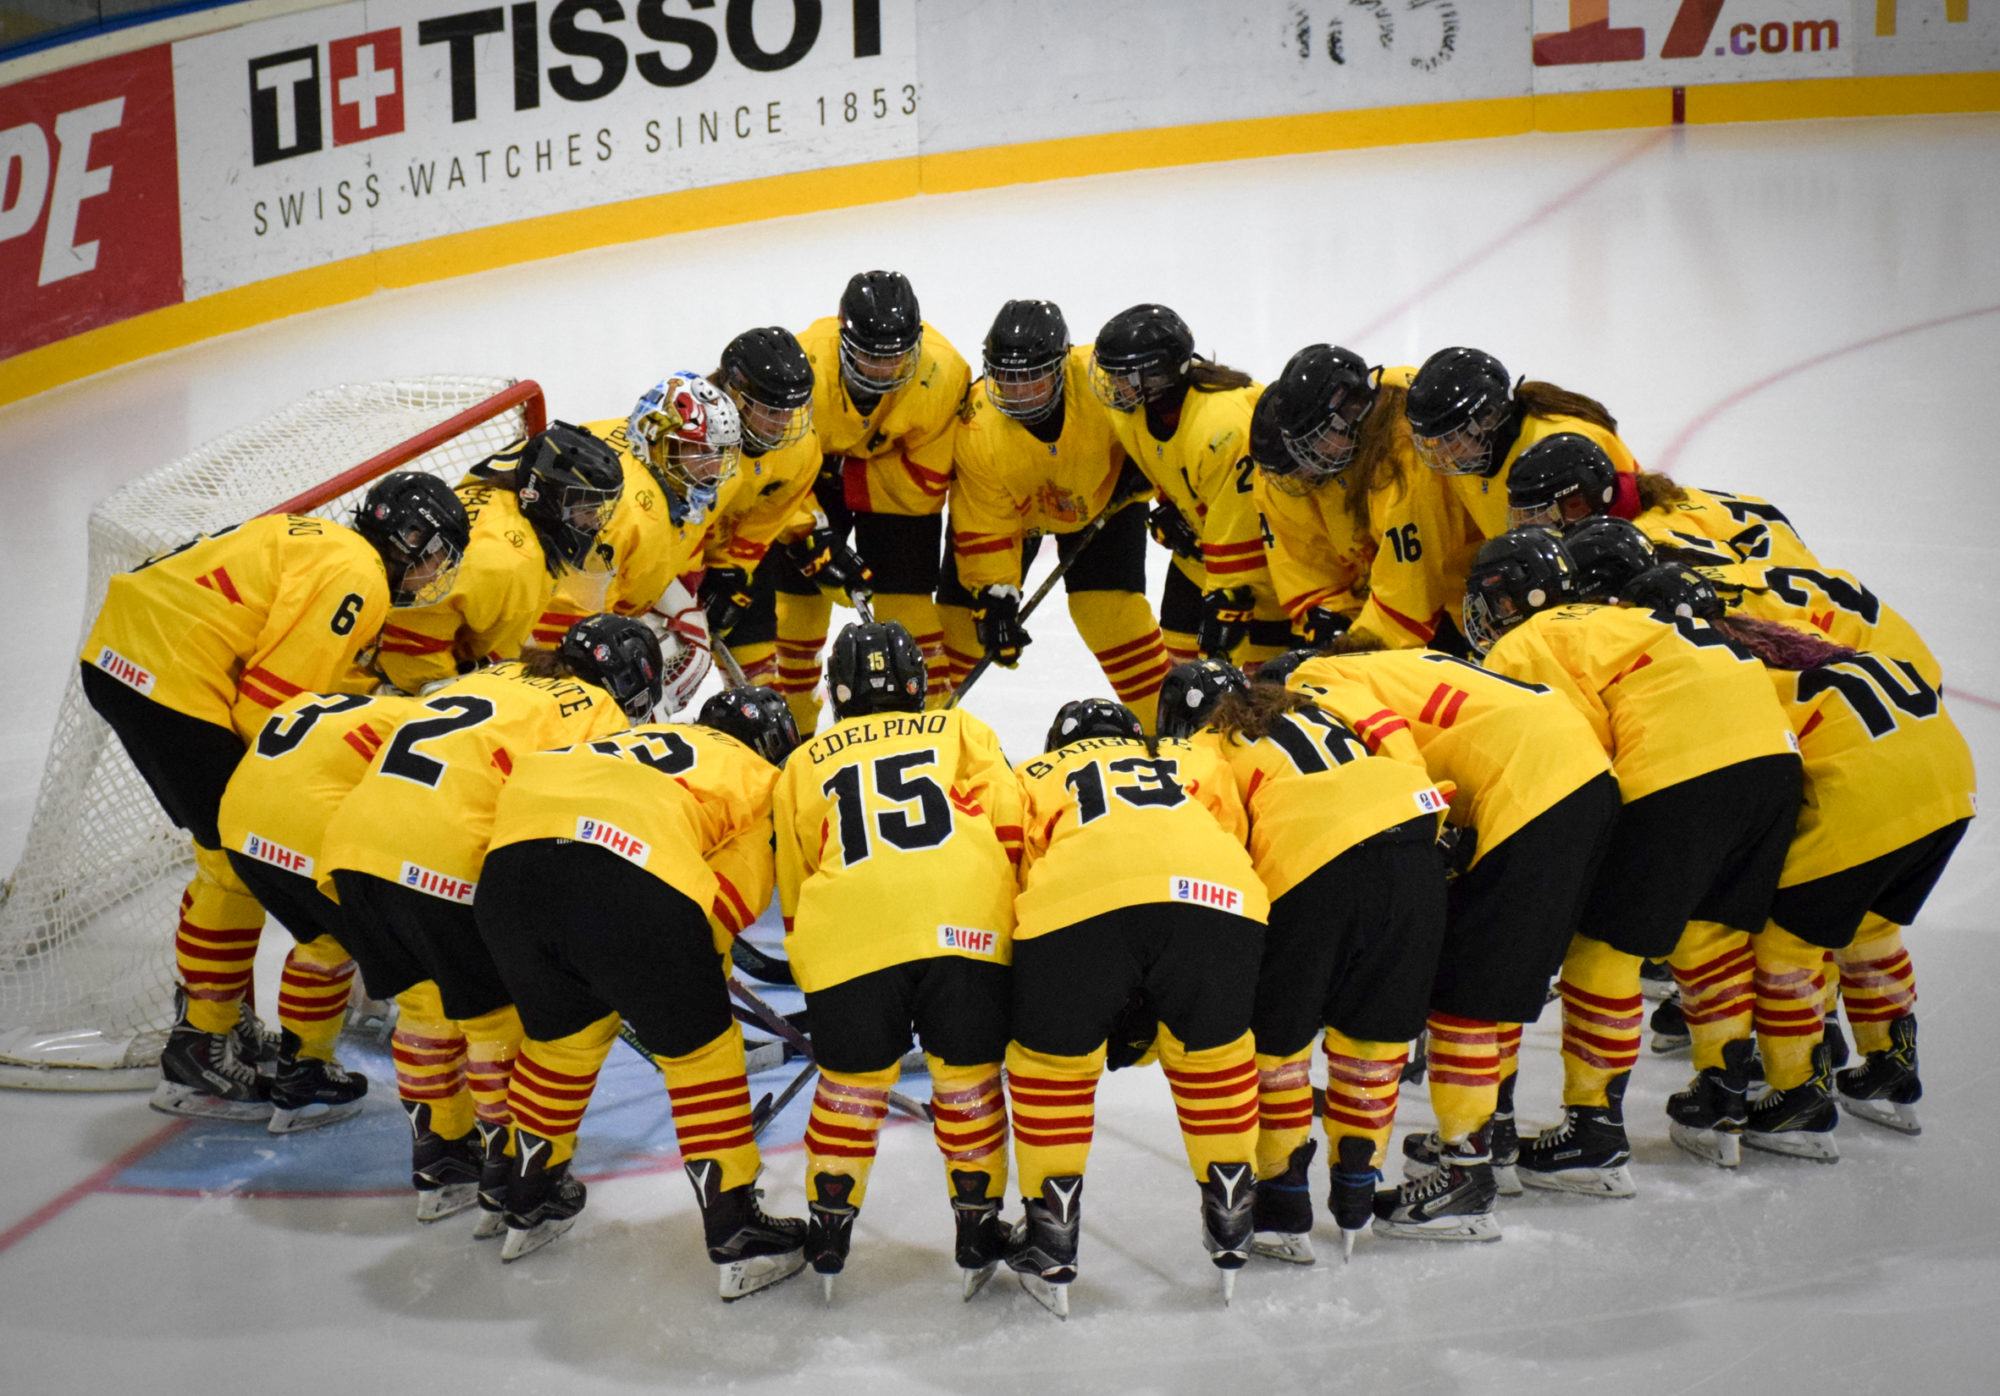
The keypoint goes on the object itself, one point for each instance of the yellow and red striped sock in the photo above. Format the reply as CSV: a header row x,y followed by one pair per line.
x,y
1713,966
1878,984
551,1084
1122,633
847,1113
1510,1050
959,644
1284,1108
1054,1104
492,1039
313,994
969,1121
1602,1013
710,1094
430,1054
758,660
1364,1080
802,626
1215,1098
215,946
1788,1019
1464,1073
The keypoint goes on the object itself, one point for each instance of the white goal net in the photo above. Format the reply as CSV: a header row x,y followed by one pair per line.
x,y
87,919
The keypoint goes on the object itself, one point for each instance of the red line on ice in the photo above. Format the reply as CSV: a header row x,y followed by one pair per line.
x,y
100,1181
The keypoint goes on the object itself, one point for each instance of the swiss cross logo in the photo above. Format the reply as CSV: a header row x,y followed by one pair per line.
x,y
364,76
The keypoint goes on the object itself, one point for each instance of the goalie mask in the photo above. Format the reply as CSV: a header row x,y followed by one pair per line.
x,y
419,527
688,433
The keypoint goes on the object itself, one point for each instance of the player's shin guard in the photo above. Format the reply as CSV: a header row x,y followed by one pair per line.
x,y
215,947
847,1112
1602,1014
960,646
918,614
969,1122
312,996
1714,965
710,1093
1878,985
1284,1108
1180,646
492,1040
758,661
551,1083
430,1056
1789,982
1053,1100
1464,1073
802,622
1363,1081
1215,1097
1120,629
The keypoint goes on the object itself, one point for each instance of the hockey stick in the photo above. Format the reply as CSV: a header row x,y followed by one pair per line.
x,y
1083,537
781,1027
768,1108
760,965
864,605
727,662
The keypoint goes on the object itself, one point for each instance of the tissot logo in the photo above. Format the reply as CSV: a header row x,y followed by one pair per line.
x,y
365,78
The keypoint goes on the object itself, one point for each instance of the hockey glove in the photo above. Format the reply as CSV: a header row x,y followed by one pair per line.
x,y
822,556
1322,627
1225,621
1457,845
1173,532
996,611
725,596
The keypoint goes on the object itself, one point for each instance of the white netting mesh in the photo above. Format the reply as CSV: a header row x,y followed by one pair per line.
x,y
87,920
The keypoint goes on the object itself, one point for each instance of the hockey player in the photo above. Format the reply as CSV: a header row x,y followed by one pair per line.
x,y
1345,842
272,820
766,374
1708,768
887,389
1185,422
1035,455
189,654
1532,801
897,832
535,514
402,857
1134,877
1353,523
1889,792
610,862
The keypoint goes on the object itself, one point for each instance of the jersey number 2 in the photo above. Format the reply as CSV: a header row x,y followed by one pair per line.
x,y
404,759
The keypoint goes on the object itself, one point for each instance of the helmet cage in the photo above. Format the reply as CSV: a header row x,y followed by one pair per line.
x,y
423,565
568,514
878,369
688,433
1466,449
1028,393
1127,387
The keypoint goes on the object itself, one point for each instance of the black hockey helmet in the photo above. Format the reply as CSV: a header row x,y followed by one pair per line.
x,y
881,331
876,668
756,717
419,527
1560,480
1523,571
1093,717
1318,404
1608,554
1456,404
768,374
1142,353
1024,356
1190,692
620,655
1673,590
569,483
1280,668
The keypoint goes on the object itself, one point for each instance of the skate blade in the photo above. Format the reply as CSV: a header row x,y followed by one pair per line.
x,y
1814,1148
1886,1113
435,1204
1294,1248
742,1278
1053,1297
527,1240
1482,1227
172,1098
1507,1179
1584,1182
1722,1148
975,1280
1663,1045
491,1224
1347,1244
1228,1278
826,1288
314,1116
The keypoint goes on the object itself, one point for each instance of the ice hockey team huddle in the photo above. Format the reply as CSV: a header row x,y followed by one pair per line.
x,y
1444,701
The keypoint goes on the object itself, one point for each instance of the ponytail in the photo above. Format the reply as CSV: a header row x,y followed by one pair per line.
x,y
1541,399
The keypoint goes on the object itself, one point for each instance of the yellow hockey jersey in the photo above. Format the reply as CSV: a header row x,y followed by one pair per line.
x,y
1313,790
1746,528
690,805
1511,750
765,500
1318,553
897,836
231,624
1668,699
898,457
422,815
1007,482
1110,824
1484,498
1838,606
310,753
1204,469
1884,763
503,587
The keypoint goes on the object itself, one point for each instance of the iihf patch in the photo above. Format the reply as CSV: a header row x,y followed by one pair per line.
x,y
277,855
1430,801
968,941
138,679
1214,894
433,883
604,835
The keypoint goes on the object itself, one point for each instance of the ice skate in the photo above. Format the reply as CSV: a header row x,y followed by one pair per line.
x,y
1835,1040
830,1230
1670,1028
1884,1089
308,1093
445,1172
1042,1249
1227,1199
1707,1118
255,1043
753,1251
203,1075
1798,1122
494,1170
1453,1201
1282,1214
1352,1201
1587,1153
982,1237
1656,979
542,1202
